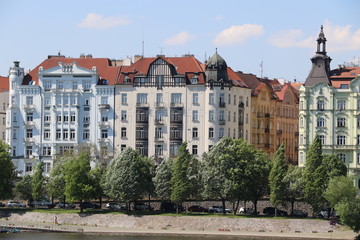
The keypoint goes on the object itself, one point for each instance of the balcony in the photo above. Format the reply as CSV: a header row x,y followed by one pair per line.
x,y
267,115
159,122
144,120
222,104
29,140
142,104
175,137
159,105
104,124
176,120
143,137
29,107
103,106
103,141
222,121
159,139
176,104
30,124
279,131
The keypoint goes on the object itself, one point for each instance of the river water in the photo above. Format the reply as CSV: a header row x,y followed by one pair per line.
x,y
79,236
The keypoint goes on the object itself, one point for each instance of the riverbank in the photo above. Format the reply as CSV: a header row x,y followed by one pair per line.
x,y
174,225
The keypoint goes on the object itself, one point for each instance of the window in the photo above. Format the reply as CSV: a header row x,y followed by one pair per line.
x,y
358,104
342,156
195,115
341,122
104,133
28,151
87,102
159,81
195,98
47,117
47,85
58,134
14,117
221,115
66,118
229,99
320,105
358,122
28,167
14,151
229,116
47,101
74,85
234,119
58,100
235,100
104,117
122,147
66,149
221,132
211,98
60,85
159,115
344,86
320,122
174,149
29,133
142,148
195,132
159,98
341,104
72,117
123,115
358,158
158,133
194,149
123,132
86,119
322,139
46,151
341,140
358,139
72,134
86,134
176,98
211,132
66,134
222,99
141,98
73,100
47,167
159,149
194,80
86,85
46,133
29,117
211,115
104,100
210,146
29,100
66,100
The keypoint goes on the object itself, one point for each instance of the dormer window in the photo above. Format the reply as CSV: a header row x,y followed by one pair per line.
x,y
194,80
344,86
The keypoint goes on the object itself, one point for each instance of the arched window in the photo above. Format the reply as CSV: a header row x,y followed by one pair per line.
x,y
320,122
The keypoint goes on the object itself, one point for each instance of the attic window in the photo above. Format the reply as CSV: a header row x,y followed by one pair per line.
x,y
126,79
31,83
194,80
352,74
344,86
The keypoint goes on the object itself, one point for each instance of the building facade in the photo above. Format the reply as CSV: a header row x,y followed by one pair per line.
x,y
162,102
330,108
274,115
4,103
63,105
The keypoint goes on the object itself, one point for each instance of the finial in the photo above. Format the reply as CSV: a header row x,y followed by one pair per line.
x,y
322,27
216,50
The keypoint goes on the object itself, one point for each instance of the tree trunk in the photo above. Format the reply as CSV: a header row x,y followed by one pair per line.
x,y
255,206
64,199
276,214
81,209
236,207
223,205
100,200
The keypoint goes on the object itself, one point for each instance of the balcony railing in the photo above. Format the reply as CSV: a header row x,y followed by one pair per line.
x,y
267,115
175,137
143,136
103,106
29,107
159,121
104,124
222,104
142,104
29,124
222,122
159,105
176,104
176,120
159,139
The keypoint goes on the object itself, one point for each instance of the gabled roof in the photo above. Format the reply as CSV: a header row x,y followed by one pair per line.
x,y
346,73
251,81
4,84
103,65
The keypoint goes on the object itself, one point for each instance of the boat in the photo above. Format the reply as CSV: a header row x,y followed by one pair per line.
x,y
6,230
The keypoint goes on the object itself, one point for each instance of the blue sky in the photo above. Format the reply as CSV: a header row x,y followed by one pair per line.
x,y
281,34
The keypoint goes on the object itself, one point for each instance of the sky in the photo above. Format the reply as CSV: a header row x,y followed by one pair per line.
x,y
280,35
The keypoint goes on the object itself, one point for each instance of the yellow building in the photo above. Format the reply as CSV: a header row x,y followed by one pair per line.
x,y
274,116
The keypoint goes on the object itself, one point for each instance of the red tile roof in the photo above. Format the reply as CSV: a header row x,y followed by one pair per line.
x,y
103,66
4,84
344,73
236,79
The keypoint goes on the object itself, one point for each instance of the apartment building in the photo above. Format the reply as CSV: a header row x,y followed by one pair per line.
x,y
4,103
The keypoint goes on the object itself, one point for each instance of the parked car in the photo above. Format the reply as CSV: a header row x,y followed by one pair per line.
x,y
2,204
325,214
141,206
42,203
299,213
169,207
218,209
270,211
67,205
197,208
115,206
249,211
15,204
85,205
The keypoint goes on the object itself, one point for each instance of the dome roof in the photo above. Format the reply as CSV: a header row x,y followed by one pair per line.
x,y
217,61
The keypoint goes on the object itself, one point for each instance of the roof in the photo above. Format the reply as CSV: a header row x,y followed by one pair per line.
x,y
344,73
103,65
251,81
4,84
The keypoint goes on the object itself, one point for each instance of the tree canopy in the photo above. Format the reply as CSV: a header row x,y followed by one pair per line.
x,y
38,186
7,172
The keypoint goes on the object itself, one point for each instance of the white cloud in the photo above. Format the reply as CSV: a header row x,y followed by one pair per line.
x,y
179,39
98,21
339,38
236,35
218,18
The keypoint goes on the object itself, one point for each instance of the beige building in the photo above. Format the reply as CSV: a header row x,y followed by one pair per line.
x,y
4,103
274,115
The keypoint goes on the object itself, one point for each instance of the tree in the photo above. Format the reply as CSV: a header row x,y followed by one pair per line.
x,y
95,177
124,179
276,178
294,185
333,166
162,180
180,181
315,176
77,183
349,212
7,172
340,189
24,188
56,184
38,185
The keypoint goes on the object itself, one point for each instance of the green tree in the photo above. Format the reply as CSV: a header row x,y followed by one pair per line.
x,y
95,177
180,182
38,185
349,212
340,189
162,180
24,188
7,172
333,166
276,179
56,184
78,186
315,176
124,179
294,185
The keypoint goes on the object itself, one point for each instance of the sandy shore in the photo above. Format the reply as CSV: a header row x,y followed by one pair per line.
x,y
185,225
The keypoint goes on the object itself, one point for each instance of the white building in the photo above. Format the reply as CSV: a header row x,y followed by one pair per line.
x,y
162,102
62,105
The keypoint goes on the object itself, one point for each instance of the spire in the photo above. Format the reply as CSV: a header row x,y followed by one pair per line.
x,y
321,42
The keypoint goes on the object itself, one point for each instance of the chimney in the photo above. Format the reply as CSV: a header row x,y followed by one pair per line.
x,y
89,56
16,63
82,55
137,58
